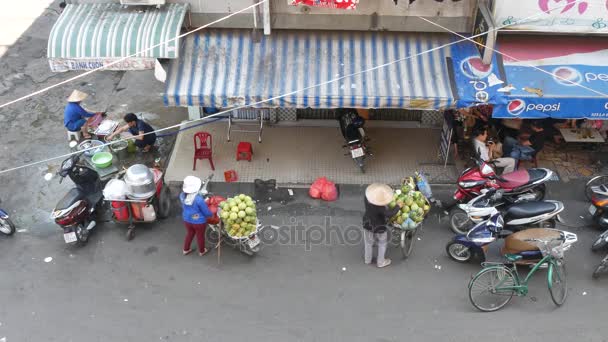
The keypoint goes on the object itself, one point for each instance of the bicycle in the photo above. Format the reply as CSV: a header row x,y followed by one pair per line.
x,y
500,282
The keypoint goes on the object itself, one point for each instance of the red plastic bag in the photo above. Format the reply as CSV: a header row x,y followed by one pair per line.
x,y
329,192
316,189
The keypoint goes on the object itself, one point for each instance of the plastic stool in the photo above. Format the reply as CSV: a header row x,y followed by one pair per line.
x,y
73,136
244,151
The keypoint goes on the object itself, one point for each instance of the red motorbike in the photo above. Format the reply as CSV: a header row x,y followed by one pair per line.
x,y
518,186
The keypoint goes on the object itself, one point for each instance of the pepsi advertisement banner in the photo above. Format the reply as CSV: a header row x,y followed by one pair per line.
x,y
564,78
474,82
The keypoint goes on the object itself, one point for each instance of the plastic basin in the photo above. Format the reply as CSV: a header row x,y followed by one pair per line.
x,y
102,159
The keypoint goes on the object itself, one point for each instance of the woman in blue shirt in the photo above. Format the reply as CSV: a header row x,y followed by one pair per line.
x,y
195,213
74,116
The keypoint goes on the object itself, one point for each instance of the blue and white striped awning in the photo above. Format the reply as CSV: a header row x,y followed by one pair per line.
x,y
228,68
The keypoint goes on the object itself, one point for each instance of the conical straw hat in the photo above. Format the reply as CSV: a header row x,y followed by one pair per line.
x,y
379,194
77,96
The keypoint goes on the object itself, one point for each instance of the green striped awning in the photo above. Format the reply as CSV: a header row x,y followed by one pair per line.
x,y
87,36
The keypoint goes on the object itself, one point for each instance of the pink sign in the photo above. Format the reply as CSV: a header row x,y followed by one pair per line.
x,y
342,4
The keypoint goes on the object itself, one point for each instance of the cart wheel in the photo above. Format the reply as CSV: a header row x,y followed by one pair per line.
x,y
130,234
407,243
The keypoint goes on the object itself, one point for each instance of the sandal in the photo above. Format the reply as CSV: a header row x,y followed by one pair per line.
x,y
187,252
203,252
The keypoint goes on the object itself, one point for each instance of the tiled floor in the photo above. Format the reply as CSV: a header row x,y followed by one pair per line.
x,y
298,155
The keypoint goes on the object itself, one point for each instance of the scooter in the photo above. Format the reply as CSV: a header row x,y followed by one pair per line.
x,y
463,217
6,225
75,211
518,186
249,245
464,247
599,205
351,126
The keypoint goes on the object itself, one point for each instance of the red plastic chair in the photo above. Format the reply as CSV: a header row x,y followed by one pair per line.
x,y
203,143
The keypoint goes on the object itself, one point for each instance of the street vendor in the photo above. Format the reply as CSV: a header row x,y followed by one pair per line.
x,y
142,132
375,221
74,116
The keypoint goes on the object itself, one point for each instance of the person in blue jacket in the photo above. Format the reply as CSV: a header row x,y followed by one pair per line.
x,y
74,116
195,213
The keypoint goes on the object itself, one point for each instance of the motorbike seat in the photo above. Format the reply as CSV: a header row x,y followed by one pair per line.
x,y
529,209
73,196
514,179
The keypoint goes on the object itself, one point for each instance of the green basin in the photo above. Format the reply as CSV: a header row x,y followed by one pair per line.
x,y
102,159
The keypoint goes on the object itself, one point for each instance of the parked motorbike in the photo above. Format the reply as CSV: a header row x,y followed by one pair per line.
x,y
465,216
74,213
351,126
464,247
518,186
599,205
6,225
249,245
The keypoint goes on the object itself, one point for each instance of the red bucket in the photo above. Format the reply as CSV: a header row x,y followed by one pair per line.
x,y
120,210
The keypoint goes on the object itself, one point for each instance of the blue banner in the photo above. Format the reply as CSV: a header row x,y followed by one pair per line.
x,y
551,107
473,80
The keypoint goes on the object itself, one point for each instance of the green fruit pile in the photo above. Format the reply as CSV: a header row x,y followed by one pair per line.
x,y
414,207
239,215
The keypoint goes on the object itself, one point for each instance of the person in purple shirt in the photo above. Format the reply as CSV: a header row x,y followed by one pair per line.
x,y
75,117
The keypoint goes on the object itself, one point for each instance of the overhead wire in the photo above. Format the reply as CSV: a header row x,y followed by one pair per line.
x,y
221,113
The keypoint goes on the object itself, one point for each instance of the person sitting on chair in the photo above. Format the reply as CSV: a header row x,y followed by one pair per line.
x,y
75,117
139,129
484,150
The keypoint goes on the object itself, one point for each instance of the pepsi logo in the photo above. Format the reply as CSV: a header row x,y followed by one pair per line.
x,y
516,107
567,76
473,68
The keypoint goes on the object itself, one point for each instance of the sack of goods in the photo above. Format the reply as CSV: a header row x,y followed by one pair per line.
x,y
239,216
414,207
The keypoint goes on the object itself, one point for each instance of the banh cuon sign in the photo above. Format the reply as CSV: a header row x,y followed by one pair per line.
x,y
567,16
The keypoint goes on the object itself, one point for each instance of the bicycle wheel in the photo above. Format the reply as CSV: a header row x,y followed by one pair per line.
x,y
556,277
492,288
407,242
595,181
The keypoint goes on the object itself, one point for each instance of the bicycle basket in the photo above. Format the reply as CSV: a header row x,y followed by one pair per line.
x,y
555,248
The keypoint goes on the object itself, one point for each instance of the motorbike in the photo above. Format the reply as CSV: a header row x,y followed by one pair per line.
x,y
74,213
599,211
463,217
463,247
518,186
351,126
248,245
6,225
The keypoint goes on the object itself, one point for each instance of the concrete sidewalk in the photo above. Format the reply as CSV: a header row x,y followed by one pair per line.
x,y
298,155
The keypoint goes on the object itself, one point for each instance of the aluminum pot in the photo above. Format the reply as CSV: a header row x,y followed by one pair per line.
x,y
140,181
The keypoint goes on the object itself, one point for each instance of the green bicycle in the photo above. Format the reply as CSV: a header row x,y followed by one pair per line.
x,y
493,287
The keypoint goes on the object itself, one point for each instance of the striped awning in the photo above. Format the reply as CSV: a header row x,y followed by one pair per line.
x,y
228,68
87,36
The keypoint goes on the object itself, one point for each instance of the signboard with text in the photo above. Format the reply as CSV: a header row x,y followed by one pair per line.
x,y
564,16
67,64
484,23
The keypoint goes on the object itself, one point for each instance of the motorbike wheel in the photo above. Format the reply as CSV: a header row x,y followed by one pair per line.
x,y
600,243
6,226
164,202
595,181
458,252
82,234
601,268
407,243
551,224
460,223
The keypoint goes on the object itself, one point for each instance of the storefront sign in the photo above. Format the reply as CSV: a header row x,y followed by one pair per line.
x,y
342,4
63,64
484,23
566,16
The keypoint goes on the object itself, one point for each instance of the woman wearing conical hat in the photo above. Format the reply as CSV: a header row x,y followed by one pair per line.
x,y
74,116
375,221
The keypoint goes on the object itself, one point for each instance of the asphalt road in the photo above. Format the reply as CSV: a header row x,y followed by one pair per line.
x,y
298,290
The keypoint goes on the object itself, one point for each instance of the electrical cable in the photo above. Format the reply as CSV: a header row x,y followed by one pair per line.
x,y
221,113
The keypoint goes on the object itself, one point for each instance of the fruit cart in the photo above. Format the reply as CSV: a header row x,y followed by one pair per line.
x,y
414,208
